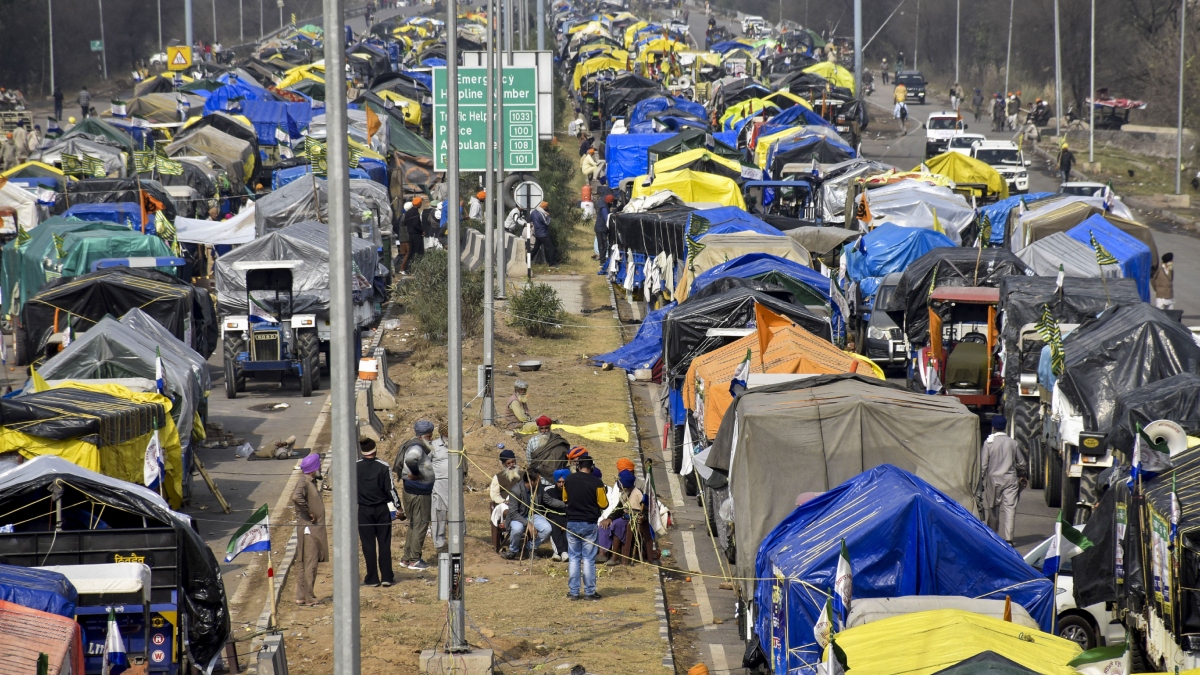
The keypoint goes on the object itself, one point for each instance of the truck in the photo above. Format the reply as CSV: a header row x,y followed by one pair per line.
x,y
1006,158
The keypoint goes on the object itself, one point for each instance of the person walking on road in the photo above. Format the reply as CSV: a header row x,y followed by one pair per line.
x,y
586,498
311,544
541,236
883,70
1004,473
376,510
1066,160
997,113
21,141
1013,108
85,101
1164,282
977,104
415,465
58,102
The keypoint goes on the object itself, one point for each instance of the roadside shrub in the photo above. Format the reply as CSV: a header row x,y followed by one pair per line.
x,y
537,310
424,293
555,177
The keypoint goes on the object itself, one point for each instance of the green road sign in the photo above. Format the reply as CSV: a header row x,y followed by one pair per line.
x,y
97,46
519,128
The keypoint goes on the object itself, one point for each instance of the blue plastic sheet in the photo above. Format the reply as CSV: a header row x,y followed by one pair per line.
x,y
232,96
1136,259
121,213
997,213
890,248
730,219
628,155
376,169
904,538
267,116
643,109
728,45
754,265
42,590
282,177
644,349
797,115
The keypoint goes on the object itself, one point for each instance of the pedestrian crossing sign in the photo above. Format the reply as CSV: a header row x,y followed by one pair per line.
x,y
179,58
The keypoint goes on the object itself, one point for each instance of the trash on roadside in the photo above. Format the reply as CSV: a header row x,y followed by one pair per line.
x,y
244,450
280,406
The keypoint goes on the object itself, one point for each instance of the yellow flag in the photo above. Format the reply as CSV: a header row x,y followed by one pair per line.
x,y
937,224
39,382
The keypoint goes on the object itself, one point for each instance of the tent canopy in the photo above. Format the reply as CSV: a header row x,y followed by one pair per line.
x,y
1136,260
838,76
891,248
1076,258
702,160
690,139
720,248
730,219
693,187
963,169
808,286
42,590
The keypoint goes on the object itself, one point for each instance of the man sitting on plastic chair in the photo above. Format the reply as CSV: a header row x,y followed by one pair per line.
x,y
521,516
617,527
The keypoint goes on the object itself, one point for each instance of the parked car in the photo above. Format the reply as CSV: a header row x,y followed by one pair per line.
x,y
884,343
1090,626
940,127
961,143
1084,189
1006,158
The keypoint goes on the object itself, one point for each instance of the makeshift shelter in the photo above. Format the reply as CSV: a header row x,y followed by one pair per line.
x,y
807,286
83,301
692,187
235,156
891,248
149,193
163,107
702,160
112,158
686,327
42,590
27,636
34,174
245,126
963,169
299,201
1176,398
24,205
819,241
653,231
836,181
626,89
1134,258
645,349
96,129
128,214
838,76
23,272
946,267
25,490
806,150
719,248
955,642
628,155
306,241
1076,258
911,203
997,212
778,441
690,139
730,220
1126,347
790,350
1059,214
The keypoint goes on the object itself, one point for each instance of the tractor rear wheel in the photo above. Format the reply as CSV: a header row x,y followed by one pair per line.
x,y
1026,428
235,377
308,351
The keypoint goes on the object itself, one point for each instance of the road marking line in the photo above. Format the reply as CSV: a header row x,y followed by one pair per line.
x,y
689,554
668,457
720,663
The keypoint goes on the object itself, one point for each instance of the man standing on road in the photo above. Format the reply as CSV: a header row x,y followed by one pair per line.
x,y
1066,160
85,101
1014,107
415,465
58,101
997,113
21,141
1003,474
311,545
977,104
1164,282
541,236
883,70
586,498
376,506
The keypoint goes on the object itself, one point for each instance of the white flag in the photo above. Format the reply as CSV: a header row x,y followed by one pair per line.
x,y
152,469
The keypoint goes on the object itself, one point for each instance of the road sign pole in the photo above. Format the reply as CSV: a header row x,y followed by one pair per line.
x,y
187,23
489,223
103,46
214,38
498,121
344,432
457,524
541,27
858,62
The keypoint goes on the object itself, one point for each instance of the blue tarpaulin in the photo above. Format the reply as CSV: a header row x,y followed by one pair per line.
x,y
282,177
42,590
904,538
644,349
997,213
1135,258
730,219
795,116
267,116
754,265
728,45
231,96
890,248
643,109
628,154
122,213
375,168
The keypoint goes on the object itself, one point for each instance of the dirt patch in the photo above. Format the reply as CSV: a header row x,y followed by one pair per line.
x,y
519,609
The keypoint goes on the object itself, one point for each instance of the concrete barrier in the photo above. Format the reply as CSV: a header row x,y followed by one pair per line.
x,y
272,659
383,390
369,424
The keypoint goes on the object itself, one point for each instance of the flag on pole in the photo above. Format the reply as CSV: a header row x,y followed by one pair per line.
x,y
152,467
1103,257
255,535
1114,660
843,588
115,661
1176,511
1110,199
159,381
835,660
39,382
985,232
1062,276
1148,457
1047,328
823,629
738,384
1008,608
1066,543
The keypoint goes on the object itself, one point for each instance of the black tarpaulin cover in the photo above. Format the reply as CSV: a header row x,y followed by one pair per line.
x,y
723,284
652,232
1176,398
685,328
204,592
986,663
1186,591
112,190
184,310
953,267
91,416
624,91
691,139
1127,347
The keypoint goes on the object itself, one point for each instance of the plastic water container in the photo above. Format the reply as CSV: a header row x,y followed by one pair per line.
x,y
368,369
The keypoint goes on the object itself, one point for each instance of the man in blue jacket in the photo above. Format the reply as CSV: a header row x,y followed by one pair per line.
x,y
541,236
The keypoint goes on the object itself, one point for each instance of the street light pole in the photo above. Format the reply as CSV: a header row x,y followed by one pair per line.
x,y
1092,93
1008,58
489,223
103,45
457,520
50,23
214,6
858,44
261,25
343,440
501,269
1057,75
160,47
917,37
187,26
957,42
1179,123
241,22
541,21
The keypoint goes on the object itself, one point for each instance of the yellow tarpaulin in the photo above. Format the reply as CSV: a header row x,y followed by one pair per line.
x,y
923,643
740,111
632,30
662,45
312,71
674,162
124,460
791,350
838,76
692,186
411,108
595,65
780,96
605,432
962,169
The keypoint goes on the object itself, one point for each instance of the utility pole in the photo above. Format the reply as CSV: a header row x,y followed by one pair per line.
x,y
1179,124
957,42
524,25
917,37
214,38
160,47
261,25
1057,76
103,45
50,24
508,28
502,267
541,21
187,25
489,223
1008,58
343,440
858,45
452,564
1091,105
241,22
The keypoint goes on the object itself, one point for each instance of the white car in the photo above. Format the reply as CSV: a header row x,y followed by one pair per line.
x,y
1006,158
752,22
159,59
1090,627
1084,189
961,143
940,127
